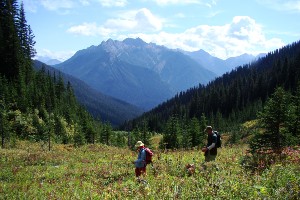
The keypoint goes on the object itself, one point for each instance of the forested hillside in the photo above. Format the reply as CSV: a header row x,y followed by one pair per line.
x,y
100,106
231,99
35,105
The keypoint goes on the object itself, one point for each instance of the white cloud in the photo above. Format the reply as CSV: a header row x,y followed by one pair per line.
x,y
147,21
119,25
57,4
208,3
113,3
54,5
132,21
89,29
282,5
59,55
167,2
242,35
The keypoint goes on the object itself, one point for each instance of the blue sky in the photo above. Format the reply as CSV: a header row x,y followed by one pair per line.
x,y
223,28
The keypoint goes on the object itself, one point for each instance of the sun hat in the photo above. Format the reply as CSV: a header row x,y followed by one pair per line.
x,y
208,128
139,144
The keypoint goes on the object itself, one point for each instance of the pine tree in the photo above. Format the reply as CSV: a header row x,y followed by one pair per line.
x,y
171,133
9,44
145,135
293,118
26,40
273,120
106,133
194,132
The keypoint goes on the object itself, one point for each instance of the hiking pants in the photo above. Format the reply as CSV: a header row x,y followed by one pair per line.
x,y
139,171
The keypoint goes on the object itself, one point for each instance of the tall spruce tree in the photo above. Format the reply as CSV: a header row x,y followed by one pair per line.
x,y
26,40
9,42
273,120
195,132
171,133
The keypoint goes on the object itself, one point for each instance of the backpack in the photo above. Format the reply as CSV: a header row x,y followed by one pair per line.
x,y
219,139
149,155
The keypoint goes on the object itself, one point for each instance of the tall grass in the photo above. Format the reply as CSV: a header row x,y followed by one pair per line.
x,y
102,172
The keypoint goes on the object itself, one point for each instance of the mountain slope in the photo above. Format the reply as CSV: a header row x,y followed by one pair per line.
x,y
100,106
47,60
134,71
233,98
218,65
212,63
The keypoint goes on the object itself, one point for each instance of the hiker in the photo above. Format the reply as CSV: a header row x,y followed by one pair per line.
x,y
140,163
210,150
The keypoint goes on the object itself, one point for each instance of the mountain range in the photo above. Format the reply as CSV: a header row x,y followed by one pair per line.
x,y
220,66
103,107
144,74
234,97
47,60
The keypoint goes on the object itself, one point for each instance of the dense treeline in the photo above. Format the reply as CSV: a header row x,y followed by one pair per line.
x,y
38,105
231,99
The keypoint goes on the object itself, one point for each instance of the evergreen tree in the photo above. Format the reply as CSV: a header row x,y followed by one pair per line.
x,y
106,133
195,132
145,135
273,121
134,136
39,106
171,133
26,40
293,118
9,45
296,123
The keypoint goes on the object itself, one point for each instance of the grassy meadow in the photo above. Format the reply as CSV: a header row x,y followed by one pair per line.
x,y
100,172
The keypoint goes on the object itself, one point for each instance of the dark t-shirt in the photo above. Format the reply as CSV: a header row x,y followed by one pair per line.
x,y
212,138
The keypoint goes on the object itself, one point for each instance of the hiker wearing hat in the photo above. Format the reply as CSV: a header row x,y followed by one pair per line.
x,y
140,163
210,150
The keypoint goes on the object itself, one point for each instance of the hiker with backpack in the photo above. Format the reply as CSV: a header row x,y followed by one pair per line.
x,y
210,150
140,163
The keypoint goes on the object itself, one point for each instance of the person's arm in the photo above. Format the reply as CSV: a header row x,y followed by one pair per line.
x,y
211,146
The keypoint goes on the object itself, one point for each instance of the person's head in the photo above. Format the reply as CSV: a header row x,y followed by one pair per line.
x,y
139,144
208,129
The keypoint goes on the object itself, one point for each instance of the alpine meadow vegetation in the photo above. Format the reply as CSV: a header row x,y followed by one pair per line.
x,y
52,148
98,171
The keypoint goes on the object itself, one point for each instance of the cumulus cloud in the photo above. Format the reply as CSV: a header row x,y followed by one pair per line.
x,y
133,21
59,55
89,29
242,35
146,20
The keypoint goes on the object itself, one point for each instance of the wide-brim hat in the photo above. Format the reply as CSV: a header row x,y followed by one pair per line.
x,y
208,128
139,144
